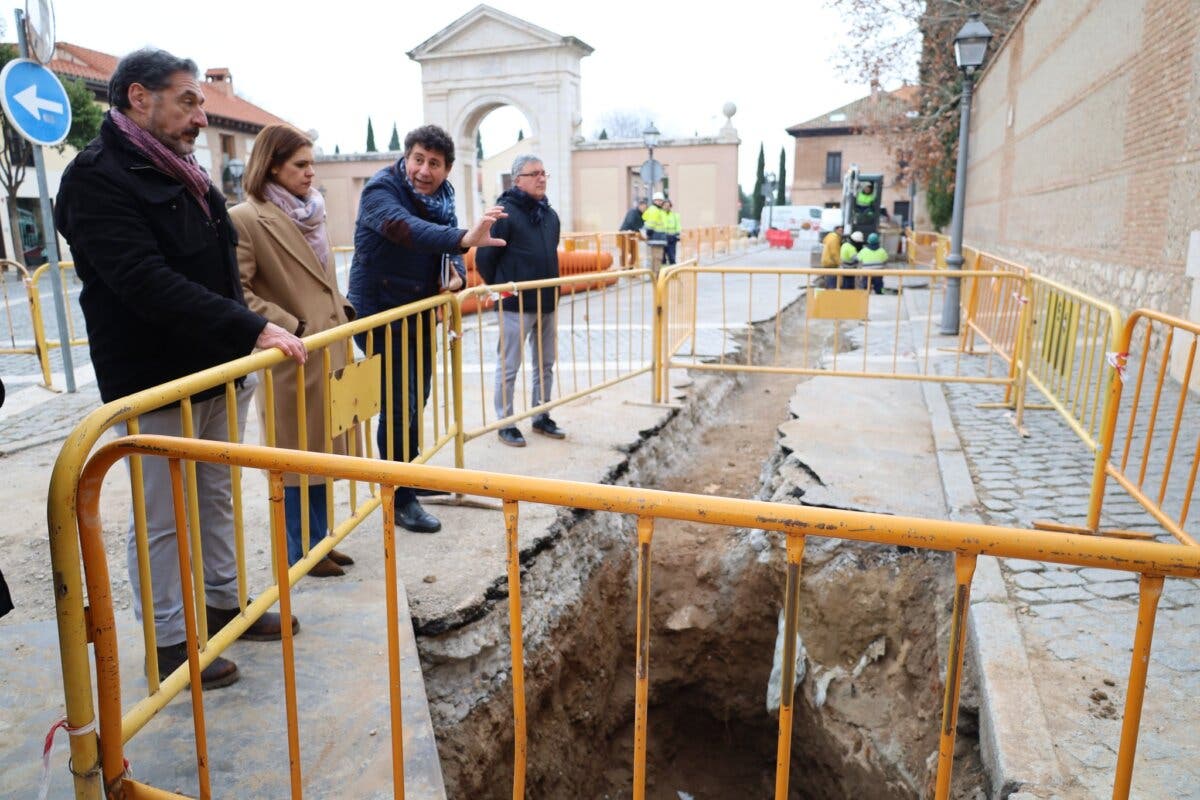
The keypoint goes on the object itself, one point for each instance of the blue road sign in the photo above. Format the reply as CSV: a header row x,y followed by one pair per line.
x,y
35,102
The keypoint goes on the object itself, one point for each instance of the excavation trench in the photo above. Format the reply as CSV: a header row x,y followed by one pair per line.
x,y
873,627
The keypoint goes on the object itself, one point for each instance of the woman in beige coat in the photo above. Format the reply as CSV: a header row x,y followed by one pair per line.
x,y
288,276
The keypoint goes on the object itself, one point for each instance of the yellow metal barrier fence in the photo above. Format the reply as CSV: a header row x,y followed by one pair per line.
x,y
1158,438
104,753
899,351
1070,336
604,322
33,319
350,397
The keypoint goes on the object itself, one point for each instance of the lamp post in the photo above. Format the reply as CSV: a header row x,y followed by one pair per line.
x,y
768,191
650,138
970,46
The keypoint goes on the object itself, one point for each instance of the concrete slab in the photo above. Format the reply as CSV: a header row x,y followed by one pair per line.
x,y
246,723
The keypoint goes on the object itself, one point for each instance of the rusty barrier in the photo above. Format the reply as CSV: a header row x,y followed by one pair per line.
x,y
27,313
98,755
736,341
1150,441
585,333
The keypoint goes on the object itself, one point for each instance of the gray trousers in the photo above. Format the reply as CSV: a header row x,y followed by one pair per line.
x,y
516,328
214,492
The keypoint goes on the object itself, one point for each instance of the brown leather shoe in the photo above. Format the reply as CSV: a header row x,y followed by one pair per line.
x,y
326,568
341,559
221,672
268,628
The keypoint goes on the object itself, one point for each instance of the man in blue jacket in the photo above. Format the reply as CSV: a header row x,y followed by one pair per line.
x,y
531,230
406,229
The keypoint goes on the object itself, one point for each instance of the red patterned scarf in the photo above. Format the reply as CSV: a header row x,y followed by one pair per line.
x,y
184,169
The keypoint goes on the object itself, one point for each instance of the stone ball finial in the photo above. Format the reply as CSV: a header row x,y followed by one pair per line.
x,y
729,109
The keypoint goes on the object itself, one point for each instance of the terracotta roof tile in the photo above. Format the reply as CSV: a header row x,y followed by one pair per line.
x,y
81,62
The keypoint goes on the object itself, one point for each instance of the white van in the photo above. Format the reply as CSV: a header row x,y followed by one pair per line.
x,y
803,221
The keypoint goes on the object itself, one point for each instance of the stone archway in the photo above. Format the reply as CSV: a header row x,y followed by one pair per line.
x,y
487,59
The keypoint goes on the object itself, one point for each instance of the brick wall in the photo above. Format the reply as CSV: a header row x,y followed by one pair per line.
x,y
1085,148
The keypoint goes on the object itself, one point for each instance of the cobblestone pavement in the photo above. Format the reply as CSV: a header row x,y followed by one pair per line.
x,y
1078,624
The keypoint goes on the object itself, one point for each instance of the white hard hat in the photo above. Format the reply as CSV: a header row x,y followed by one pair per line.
x,y
659,196
856,236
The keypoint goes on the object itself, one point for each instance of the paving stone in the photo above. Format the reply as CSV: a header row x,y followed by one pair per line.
x,y
1031,597
1059,610
1062,577
1031,580
1066,594
1021,565
996,505
1093,575
1115,589
1112,609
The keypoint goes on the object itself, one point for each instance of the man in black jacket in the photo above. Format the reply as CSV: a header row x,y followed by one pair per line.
x,y
531,231
162,297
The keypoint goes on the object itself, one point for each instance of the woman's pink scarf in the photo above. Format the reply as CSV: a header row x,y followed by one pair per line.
x,y
307,213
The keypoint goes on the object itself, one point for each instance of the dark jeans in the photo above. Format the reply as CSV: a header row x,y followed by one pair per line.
x,y
669,255
832,281
403,360
317,519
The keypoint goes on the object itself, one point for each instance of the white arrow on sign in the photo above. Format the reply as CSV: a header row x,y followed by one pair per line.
x,y
29,99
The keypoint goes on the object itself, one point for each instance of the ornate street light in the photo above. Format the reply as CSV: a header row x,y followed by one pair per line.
x,y
970,46
768,191
650,138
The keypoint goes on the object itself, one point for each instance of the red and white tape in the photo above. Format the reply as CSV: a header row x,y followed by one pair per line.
x,y
1117,361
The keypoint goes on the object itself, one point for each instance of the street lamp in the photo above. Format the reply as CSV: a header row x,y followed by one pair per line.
x,y
970,46
768,191
650,138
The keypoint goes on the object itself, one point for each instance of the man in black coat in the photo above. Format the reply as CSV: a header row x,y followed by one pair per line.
x,y
162,297
633,217
531,231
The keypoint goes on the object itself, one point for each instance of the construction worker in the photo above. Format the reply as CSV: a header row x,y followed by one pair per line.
x,y
652,218
655,226
866,195
874,256
670,227
831,247
849,258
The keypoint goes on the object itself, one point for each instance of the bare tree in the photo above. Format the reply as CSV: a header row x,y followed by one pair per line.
x,y
623,123
890,40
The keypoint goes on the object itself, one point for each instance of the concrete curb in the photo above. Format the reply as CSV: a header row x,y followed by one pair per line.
x,y
1015,742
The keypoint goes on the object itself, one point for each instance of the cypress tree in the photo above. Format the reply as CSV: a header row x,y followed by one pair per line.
x,y
394,142
781,195
371,148
759,178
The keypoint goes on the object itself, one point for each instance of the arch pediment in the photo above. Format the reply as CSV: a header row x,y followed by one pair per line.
x,y
488,30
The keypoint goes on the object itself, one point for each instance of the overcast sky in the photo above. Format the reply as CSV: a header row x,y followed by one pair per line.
x,y
332,67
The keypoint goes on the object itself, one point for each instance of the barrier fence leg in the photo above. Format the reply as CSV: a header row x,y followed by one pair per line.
x,y
517,645
645,531
1149,592
964,571
388,501
289,648
787,685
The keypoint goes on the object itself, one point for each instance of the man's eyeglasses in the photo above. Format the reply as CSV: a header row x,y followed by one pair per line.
x,y
541,173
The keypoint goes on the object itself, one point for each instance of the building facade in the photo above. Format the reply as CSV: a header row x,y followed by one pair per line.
x,y
1084,158
827,145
